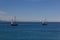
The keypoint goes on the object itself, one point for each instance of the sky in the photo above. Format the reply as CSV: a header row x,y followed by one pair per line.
x,y
30,10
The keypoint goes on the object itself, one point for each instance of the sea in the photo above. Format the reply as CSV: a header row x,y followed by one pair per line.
x,y
30,31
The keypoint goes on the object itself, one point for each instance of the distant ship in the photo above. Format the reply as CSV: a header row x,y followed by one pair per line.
x,y
13,22
44,22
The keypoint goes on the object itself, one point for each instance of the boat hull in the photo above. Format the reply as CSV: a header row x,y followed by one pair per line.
x,y
44,24
14,24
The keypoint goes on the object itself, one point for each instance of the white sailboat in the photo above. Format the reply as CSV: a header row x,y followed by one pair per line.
x,y
44,22
13,22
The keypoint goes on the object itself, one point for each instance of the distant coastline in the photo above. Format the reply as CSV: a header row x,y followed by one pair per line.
x,y
28,21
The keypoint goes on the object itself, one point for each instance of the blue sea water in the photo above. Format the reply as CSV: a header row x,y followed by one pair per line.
x,y
30,31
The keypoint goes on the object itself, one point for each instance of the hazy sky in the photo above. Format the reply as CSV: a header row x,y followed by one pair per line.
x,y
30,10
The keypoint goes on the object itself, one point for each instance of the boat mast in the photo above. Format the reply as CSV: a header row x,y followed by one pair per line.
x,y
44,19
13,20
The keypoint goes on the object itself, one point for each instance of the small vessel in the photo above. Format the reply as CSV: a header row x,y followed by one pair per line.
x,y
44,24
44,21
13,22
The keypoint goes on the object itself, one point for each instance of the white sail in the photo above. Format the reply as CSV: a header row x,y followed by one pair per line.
x,y
44,20
13,20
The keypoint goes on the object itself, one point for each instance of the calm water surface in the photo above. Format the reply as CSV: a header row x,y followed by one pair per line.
x,y
30,31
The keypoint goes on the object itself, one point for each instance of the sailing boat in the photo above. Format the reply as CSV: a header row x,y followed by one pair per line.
x,y
13,22
44,22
